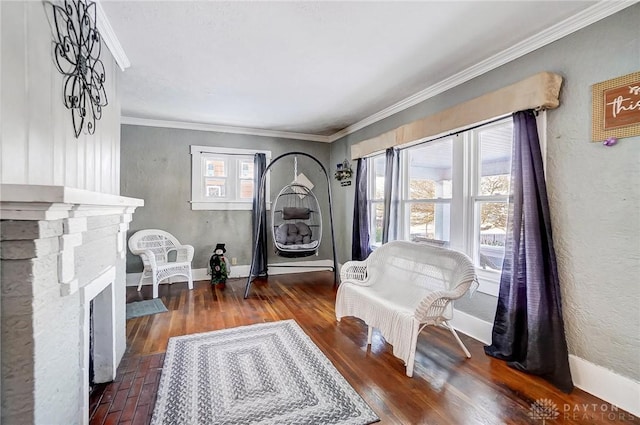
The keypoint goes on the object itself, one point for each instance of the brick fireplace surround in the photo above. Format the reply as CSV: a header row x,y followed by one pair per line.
x,y
61,248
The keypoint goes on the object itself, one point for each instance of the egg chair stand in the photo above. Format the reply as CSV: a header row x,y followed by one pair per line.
x,y
296,220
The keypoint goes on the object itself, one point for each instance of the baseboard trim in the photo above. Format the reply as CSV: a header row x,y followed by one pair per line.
x,y
472,326
603,383
242,270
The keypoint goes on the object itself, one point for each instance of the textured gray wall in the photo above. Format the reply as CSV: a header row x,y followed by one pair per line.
x,y
156,166
593,190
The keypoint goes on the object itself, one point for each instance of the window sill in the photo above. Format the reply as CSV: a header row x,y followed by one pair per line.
x,y
224,206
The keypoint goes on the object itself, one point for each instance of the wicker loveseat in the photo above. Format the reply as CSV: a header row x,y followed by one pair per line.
x,y
403,287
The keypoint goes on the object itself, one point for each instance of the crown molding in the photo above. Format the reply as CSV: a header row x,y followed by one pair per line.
x,y
109,37
599,11
223,129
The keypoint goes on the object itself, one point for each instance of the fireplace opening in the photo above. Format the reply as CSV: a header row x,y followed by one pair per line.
x,y
92,384
99,357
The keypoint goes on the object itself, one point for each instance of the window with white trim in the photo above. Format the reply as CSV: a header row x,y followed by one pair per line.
x,y
454,192
425,198
489,179
375,198
222,178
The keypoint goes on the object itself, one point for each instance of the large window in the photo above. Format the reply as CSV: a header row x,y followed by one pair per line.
x,y
222,178
454,192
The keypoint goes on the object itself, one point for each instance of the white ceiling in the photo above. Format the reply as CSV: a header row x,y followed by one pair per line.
x,y
306,67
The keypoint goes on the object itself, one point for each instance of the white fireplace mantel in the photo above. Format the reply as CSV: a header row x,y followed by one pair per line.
x,y
63,249
72,207
38,202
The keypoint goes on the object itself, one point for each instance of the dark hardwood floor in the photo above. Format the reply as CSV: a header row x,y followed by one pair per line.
x,y
446,387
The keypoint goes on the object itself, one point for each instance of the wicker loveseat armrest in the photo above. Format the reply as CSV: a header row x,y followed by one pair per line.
x,y
184,253
432,307
355,271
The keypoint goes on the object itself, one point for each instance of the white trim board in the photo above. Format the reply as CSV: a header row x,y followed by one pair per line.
x,y
147,122
606,384
240,271
470,325
109,37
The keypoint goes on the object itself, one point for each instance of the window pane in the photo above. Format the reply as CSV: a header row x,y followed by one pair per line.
x,y
246,189
375,238
246,169
379,164
430,170
493,225
215,167
214,188
429,221
495,159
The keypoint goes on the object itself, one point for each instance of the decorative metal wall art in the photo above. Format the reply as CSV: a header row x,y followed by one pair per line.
x,y
77,56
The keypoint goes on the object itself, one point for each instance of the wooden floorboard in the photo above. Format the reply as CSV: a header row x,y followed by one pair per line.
x,y
446,387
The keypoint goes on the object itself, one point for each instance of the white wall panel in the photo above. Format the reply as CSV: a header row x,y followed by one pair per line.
x,y
39,100
13,127
89,162
38,144
60,152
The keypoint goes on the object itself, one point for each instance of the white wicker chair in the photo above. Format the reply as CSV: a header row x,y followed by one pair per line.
x,y
403,287
154,246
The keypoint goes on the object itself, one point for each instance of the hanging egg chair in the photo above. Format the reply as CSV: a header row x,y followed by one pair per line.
x,y
297,222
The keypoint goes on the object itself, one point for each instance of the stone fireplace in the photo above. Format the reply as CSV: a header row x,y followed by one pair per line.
x,y
61,250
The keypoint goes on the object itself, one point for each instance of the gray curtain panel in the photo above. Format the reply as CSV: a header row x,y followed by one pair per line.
x,y
360,248
528,331
259,210
391,195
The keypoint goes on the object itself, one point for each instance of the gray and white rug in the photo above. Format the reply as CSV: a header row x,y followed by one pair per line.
x,y
268,373
145,308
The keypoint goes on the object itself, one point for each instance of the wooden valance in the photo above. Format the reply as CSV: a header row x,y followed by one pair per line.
x,y
540,91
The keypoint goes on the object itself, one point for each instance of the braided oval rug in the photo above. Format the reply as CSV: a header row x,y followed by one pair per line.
x,y
268,373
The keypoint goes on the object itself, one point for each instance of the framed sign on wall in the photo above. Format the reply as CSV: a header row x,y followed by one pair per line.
x,y
616,108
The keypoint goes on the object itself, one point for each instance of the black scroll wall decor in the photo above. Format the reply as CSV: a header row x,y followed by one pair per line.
x,y
77,48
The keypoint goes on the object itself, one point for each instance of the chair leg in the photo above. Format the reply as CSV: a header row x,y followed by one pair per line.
x,y
155,285
412,352
369,334
141,279
455,335
190,279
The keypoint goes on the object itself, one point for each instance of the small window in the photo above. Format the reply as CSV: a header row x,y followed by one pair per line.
x,y
222,178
